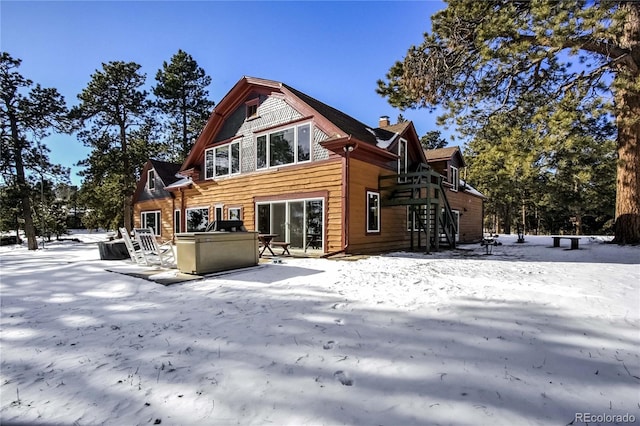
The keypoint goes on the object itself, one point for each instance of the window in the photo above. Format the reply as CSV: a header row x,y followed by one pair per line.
x,y
151,220
196,219
297,221
453,177
282,147
252,108
151,179
218,211
416,218
402,160
235,213
222,160
373,211
177,226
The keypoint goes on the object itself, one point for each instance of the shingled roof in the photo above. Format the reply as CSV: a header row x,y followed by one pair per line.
x,y
166,171
397,128
440,153
348,124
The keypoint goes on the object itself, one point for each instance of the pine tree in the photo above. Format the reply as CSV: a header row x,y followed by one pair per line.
x,y
182,95
433,140
112,106
484,56
25,119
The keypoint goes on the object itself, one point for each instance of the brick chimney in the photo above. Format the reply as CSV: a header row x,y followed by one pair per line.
x,y
384,121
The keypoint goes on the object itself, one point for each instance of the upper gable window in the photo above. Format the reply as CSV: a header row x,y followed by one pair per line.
x,y
151,179
222,160
252,108
403,160
453,177
288,146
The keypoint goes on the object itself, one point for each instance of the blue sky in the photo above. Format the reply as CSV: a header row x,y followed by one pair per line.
x,y
334,51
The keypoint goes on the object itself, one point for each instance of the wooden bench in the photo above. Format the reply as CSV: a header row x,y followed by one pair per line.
x,y
574,241
284,246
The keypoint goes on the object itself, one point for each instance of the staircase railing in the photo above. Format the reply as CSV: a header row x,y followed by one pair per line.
x,y
448,223
423,192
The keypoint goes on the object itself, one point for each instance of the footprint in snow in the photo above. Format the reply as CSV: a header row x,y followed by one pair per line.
x,y
342,377
339,321
329,345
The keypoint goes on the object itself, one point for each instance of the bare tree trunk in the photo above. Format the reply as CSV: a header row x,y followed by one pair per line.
x,y
627,227
627,98
127,207
21,180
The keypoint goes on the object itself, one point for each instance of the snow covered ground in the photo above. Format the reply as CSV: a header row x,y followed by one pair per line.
x,y
528,335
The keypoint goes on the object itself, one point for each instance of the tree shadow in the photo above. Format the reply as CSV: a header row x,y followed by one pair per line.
x,y
81,345
540,249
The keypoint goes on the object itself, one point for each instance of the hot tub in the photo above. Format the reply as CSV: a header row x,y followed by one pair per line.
x,y
206,252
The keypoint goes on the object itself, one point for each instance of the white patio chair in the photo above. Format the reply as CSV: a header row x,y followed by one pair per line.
x,y
135,253
154,253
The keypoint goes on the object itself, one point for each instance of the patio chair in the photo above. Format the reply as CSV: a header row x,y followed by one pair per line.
x,y
134,252
154,253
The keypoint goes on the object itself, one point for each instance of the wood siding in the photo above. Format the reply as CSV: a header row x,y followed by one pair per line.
x,y
165,206
284,183
470,209
393,233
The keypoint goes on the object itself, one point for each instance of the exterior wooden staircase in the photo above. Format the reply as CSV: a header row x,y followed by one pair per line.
x,y
431,216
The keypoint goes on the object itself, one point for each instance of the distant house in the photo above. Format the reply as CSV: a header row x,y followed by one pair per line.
x,y
288,164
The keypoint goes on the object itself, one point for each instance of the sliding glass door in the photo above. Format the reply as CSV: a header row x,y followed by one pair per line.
x,y
298,222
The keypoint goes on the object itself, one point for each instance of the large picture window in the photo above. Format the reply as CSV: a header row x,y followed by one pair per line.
x,y
282,147
151,220
222,160
196,219
373,212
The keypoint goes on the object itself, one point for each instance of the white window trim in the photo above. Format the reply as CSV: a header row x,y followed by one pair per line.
x,y
405,159
216,208
369,229
213,149
239,209
295,153
151,179
186,213
454,178
409,219
143,220
177,226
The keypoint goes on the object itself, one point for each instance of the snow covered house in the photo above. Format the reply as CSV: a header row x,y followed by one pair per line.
x,y
288,164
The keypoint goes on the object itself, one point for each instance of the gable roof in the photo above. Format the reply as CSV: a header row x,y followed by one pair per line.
x,y
348,124
440,154
398,127
166,171
336,124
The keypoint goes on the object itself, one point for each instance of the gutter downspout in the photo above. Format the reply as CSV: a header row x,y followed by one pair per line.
x,y
182,212
173,221
347,148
